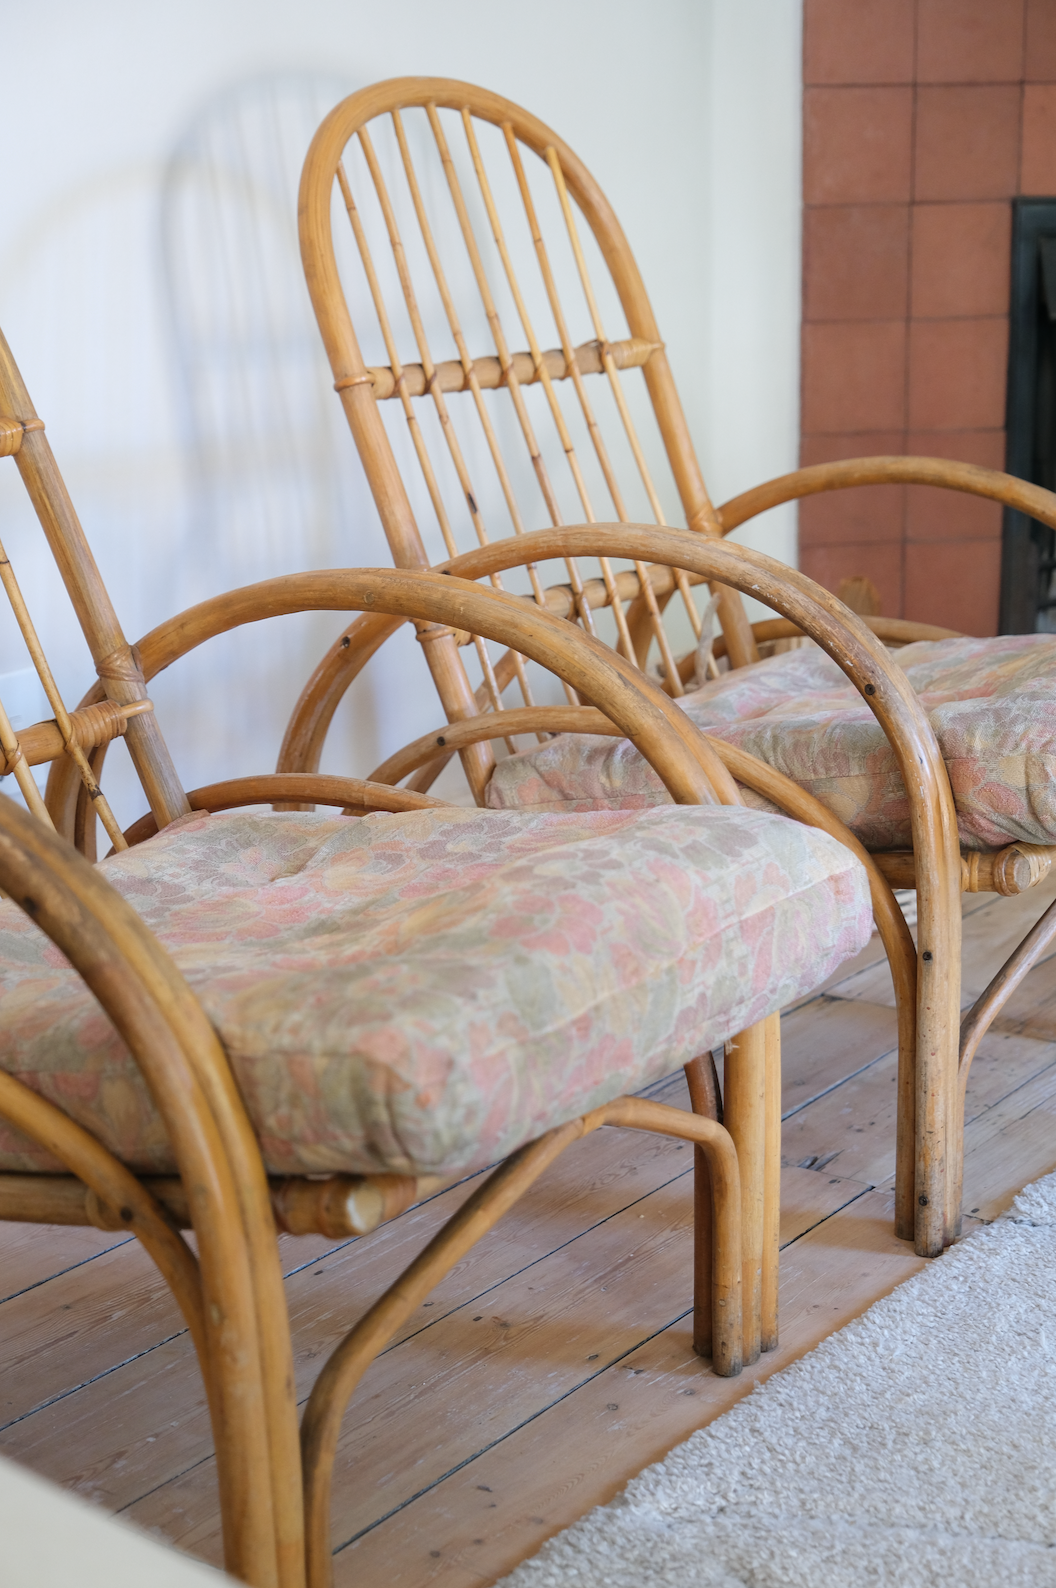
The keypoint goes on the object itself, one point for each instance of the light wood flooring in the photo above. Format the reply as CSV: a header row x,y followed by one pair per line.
x,y
556,1361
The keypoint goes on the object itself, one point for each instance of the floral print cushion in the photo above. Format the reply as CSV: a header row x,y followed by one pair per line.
x,y
426,991
991,702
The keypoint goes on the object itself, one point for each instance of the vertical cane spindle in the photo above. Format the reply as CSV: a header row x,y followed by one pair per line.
x,y
543,375
495,451
506,362
593,428
447,429
618,394
62,718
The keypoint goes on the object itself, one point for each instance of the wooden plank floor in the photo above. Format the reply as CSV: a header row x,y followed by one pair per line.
x,y
555,1361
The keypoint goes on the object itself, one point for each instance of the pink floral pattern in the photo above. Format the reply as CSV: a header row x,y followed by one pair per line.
x,y
424,992
991,702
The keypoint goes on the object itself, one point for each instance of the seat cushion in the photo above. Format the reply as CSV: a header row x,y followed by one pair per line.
x,y
426,991
991,702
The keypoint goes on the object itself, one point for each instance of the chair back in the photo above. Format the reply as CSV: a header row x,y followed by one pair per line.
x,y
489,280
125,709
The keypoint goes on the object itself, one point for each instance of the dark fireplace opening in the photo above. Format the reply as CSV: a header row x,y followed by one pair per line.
x,y
1028,551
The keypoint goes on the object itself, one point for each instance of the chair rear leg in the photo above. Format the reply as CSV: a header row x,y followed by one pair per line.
x,y
706,1100
745,1119
771,1186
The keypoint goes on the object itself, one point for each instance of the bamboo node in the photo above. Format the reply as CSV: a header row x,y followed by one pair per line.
x,y
11,433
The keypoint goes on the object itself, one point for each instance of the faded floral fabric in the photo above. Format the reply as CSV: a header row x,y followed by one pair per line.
x,y
426,991
991,702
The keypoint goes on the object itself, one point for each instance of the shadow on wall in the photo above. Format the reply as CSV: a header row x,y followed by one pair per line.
x,y
264,437
197,428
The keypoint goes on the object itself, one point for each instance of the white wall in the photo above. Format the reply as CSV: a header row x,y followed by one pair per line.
x,y
688,112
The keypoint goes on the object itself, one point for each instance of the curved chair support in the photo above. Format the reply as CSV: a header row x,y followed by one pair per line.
x,y
978,1019
893,631
350,1359
118,1190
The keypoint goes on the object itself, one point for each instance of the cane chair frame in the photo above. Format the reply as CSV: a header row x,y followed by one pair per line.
x,y
929,1163
231,1296
274,1487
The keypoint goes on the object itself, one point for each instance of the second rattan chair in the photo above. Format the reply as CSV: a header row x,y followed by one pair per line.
x,y
485,322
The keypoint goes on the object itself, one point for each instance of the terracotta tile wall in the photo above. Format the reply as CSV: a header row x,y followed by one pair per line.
x,y
922,119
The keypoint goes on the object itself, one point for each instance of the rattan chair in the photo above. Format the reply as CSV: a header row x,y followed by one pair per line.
x,y
199,1102
455,230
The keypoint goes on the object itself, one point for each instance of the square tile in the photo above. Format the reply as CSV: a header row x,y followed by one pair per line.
x,y
1038,168
854,376
880,563
857,145
1039,54
865,512
957,374
845,41
856,262
970,41
961,257
967,142
954,583
933,514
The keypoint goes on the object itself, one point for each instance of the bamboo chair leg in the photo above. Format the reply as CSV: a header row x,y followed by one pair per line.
x,y
706,1100
771,1186
745,1119
906,1144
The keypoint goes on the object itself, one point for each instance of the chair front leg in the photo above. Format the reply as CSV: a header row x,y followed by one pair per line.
x,y
706,1100
744,1115
771,1186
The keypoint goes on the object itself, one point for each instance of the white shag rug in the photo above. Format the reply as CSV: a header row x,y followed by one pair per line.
x,y
915,1448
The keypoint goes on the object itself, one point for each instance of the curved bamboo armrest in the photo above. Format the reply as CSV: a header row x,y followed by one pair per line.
x,y
1033,500
691,771
302,746
177,637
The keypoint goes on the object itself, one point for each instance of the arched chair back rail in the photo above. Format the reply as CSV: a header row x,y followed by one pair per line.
x,y
437,216
489,335
434,198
